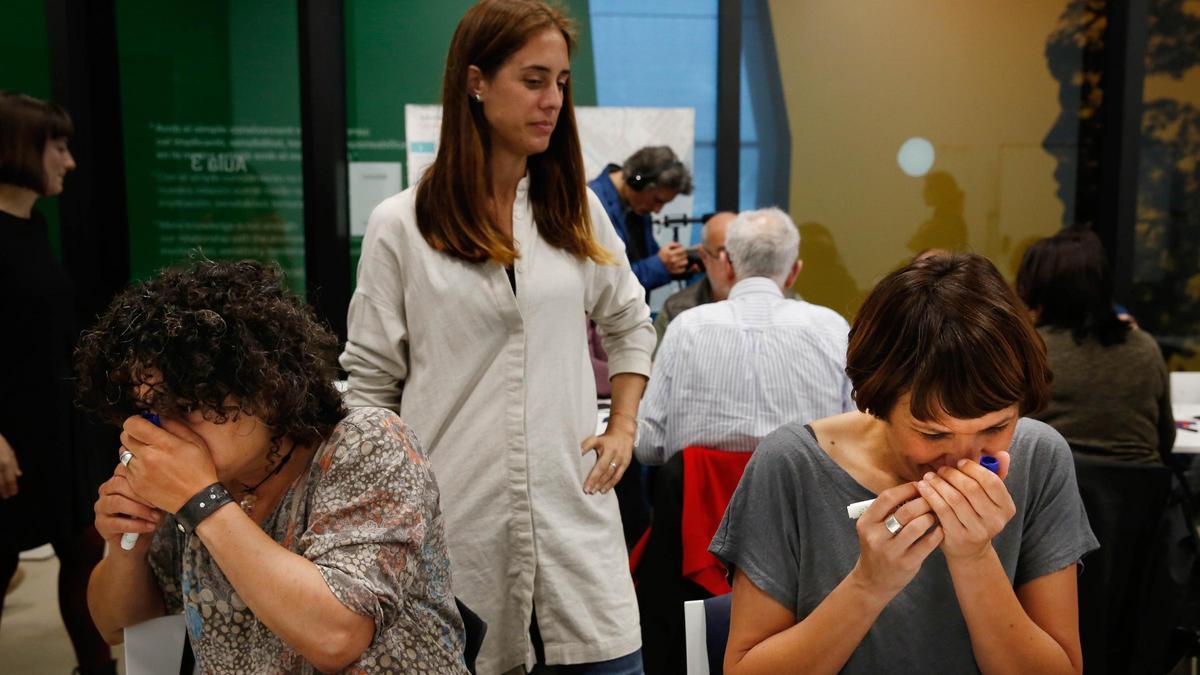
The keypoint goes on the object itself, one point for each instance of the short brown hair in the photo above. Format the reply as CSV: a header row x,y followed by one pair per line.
x,y
26,123
949,330
1067,280
452,204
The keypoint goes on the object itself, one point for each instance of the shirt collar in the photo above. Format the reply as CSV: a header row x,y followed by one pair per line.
x,y
755,286
604,188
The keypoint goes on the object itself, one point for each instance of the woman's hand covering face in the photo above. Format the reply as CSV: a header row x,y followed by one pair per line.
x,y
169,465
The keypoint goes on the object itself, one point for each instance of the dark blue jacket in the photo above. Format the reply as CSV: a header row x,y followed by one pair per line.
x,y
650,271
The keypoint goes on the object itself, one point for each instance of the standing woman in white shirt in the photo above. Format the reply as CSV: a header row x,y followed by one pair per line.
x,y
468,320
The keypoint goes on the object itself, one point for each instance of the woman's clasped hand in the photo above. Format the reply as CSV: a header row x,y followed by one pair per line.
x,y
958,509
971,504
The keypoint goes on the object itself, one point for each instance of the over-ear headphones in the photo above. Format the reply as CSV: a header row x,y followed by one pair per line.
x,y
638,181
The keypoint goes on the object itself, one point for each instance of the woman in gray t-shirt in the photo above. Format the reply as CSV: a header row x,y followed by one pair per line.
x,y
952,568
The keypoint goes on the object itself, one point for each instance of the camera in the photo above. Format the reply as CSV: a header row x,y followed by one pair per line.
x,y
694,263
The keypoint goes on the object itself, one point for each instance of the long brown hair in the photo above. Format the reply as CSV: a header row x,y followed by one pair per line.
x,y
453,196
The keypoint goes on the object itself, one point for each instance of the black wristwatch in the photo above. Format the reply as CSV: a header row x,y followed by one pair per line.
x,y
202,505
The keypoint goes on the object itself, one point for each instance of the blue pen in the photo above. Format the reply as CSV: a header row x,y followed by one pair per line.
x,y
990,463
129,539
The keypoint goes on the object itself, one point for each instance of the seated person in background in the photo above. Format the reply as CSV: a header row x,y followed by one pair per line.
x,y
648,180
1111,393
730,372
290,533
952,569
714,287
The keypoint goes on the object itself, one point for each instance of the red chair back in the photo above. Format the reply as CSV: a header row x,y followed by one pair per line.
x,y
709,479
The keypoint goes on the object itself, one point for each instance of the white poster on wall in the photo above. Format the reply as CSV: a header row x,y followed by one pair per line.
x,y
422,128
370,183
607,135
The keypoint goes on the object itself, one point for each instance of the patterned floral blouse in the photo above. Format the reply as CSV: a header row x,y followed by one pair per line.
x,y
366,514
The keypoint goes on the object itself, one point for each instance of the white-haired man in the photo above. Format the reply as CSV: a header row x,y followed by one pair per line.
x,y
728,373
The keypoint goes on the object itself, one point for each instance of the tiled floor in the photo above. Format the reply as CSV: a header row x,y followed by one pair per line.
x,y
32,637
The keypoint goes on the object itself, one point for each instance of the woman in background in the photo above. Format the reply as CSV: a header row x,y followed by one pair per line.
x,y
468,318
1111,394
46,486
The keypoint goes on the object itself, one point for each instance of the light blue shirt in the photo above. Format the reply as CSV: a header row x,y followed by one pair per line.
x,y
729,373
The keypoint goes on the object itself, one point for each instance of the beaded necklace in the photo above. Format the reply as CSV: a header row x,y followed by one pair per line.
x,y
249,499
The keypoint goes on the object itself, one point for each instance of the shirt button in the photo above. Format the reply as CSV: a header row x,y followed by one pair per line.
x,y
180,526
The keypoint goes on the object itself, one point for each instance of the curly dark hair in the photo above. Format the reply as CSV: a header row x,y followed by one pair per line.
x,y
197,337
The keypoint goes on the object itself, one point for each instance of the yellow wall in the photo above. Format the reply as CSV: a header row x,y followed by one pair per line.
x,y
861,77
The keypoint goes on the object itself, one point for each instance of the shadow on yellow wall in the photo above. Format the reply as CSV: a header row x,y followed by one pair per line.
x,y
946,228
824,279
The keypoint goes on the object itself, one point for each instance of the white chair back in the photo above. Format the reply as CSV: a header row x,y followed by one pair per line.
x,y
155,647
695,632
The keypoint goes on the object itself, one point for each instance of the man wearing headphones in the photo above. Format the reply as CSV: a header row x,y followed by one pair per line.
x,y
650,178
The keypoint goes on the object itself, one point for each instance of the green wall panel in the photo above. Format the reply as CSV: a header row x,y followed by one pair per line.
x,y
211,120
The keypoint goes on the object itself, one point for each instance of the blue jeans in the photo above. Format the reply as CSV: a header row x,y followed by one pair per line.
x,y
630,664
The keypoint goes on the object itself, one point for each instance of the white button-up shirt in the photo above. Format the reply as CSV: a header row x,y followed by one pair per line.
x,y
499,390
729,373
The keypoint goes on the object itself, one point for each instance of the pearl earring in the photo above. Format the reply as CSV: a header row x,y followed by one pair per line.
x,y
478,98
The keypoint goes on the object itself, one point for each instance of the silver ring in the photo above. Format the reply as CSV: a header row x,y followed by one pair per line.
x,y
893,525
125,457
613,465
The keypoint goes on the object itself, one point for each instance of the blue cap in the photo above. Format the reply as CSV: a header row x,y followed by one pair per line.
x,y
152,418
990,463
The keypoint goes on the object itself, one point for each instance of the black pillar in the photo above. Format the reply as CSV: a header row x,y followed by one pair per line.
x,y
94,222
729,101
1124,72
323,136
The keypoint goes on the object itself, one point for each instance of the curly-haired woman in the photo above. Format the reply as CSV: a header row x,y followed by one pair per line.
x,y
291,534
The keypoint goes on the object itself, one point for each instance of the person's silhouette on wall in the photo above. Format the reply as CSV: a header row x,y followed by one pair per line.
x,y
945,228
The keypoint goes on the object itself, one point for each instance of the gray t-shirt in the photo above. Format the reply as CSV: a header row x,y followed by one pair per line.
x,y
786,528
